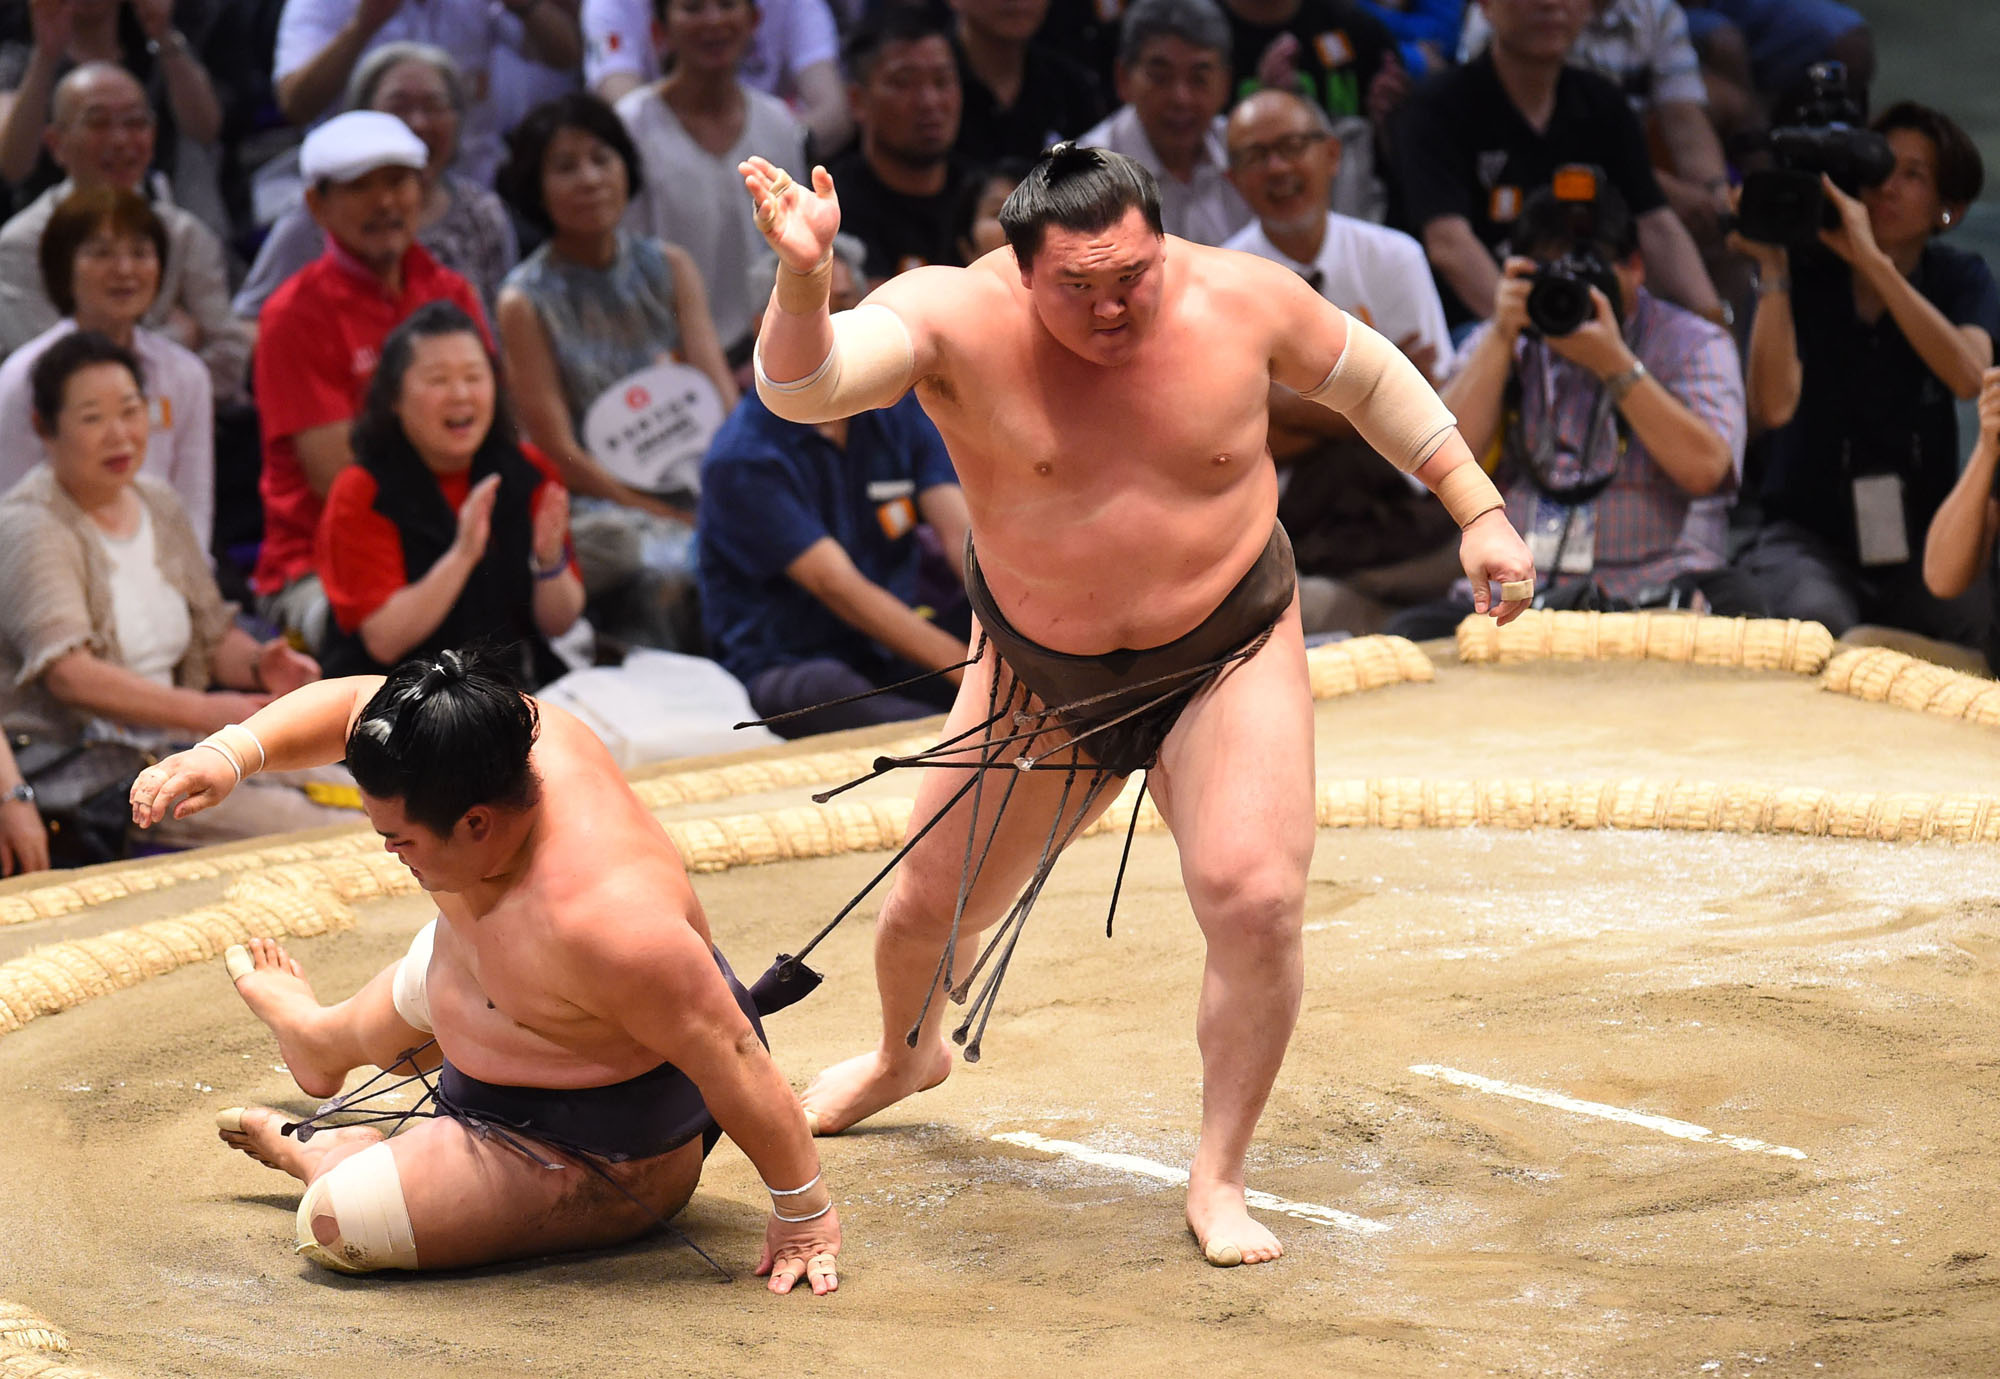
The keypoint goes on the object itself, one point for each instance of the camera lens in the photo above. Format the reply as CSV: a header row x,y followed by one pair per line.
x,y
1559,301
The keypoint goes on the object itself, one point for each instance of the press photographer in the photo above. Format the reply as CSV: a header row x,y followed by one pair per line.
x,y
1614,421
1862,343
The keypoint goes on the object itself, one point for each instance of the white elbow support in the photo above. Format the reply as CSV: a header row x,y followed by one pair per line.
x,y
410,992
371,1222
869,366
1381,392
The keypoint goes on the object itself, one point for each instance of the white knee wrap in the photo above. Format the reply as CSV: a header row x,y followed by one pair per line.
x,y
410,992
1381,392
364,1196
869,366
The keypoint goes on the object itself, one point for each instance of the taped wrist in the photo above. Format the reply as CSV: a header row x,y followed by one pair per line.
x,y
871,364
801,294
1390,404
1468,494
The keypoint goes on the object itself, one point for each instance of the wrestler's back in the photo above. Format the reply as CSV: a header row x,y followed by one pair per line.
x,y
597,848
1111,506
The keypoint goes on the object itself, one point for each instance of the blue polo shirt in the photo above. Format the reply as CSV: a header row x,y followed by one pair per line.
x,y
771,488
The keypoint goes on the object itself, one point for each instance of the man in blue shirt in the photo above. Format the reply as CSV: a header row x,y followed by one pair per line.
x,y
807,556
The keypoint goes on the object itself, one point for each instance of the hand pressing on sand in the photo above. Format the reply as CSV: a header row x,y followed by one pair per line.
x,y
795,1250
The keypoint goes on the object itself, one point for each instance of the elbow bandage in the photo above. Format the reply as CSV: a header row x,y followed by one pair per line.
x,y
1390,404
871,364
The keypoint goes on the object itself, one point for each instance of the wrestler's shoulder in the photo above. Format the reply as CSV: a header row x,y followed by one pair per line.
x,y
940,292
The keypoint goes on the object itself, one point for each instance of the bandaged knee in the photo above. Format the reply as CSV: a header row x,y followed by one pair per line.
x,y
870,366
363,1196
1375,387
410,991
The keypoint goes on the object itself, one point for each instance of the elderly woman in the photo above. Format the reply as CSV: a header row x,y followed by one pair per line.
x,y
101,257
463,224
1858,354
113,634
590,317
445,531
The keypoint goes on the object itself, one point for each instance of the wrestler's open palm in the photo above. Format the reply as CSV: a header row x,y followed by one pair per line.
x,y
795,1250
1494,553
199,778
798,221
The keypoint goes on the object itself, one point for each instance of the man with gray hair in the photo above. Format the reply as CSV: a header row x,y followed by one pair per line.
x,y
809,551
101,134
1173,75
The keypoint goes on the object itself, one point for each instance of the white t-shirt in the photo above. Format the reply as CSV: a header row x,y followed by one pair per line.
x,y
792,35
149,613
180,450
696,200
1372,272
472,31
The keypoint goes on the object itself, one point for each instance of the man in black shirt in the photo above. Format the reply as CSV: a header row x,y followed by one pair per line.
x,y
1472,142
903,192
1019,96
1332,49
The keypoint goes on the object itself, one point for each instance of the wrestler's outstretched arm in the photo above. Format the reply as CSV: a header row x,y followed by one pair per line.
x,y
656,980
1328,357
308,727
811,364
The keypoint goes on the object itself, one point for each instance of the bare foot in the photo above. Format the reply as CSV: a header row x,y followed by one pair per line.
x,y
274,986
856,1089
1223,1227
255,1131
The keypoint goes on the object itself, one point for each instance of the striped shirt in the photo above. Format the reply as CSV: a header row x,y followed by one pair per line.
x,y
1647,528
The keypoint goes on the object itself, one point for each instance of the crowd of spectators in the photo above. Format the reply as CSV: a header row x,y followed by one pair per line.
x,y
337,331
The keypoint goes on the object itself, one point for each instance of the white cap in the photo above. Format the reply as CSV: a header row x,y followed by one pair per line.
x,y
353,145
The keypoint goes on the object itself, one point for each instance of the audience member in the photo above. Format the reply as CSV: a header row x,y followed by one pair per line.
x,y
1367,539
102,136
321,333
1756,51
320,41
1958,548
1472,142
1088,33
101,259
1173,75
594,318
795,57
982,226
137,35
1642,47
1857,352
1619,441
809,556
1018,96
24,838
1330,51
463,224
692,128
445,531
903,192
113,624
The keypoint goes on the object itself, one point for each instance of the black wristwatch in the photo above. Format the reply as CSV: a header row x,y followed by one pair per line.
x,y
23,791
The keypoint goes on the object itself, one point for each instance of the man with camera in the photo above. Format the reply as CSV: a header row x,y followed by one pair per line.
x,y
1614,421
1868,333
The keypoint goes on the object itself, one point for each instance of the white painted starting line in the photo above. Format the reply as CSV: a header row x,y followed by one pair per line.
x,y
1146,1168
1666,1125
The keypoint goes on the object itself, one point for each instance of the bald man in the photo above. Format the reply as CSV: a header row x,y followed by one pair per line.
x,y
100,133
